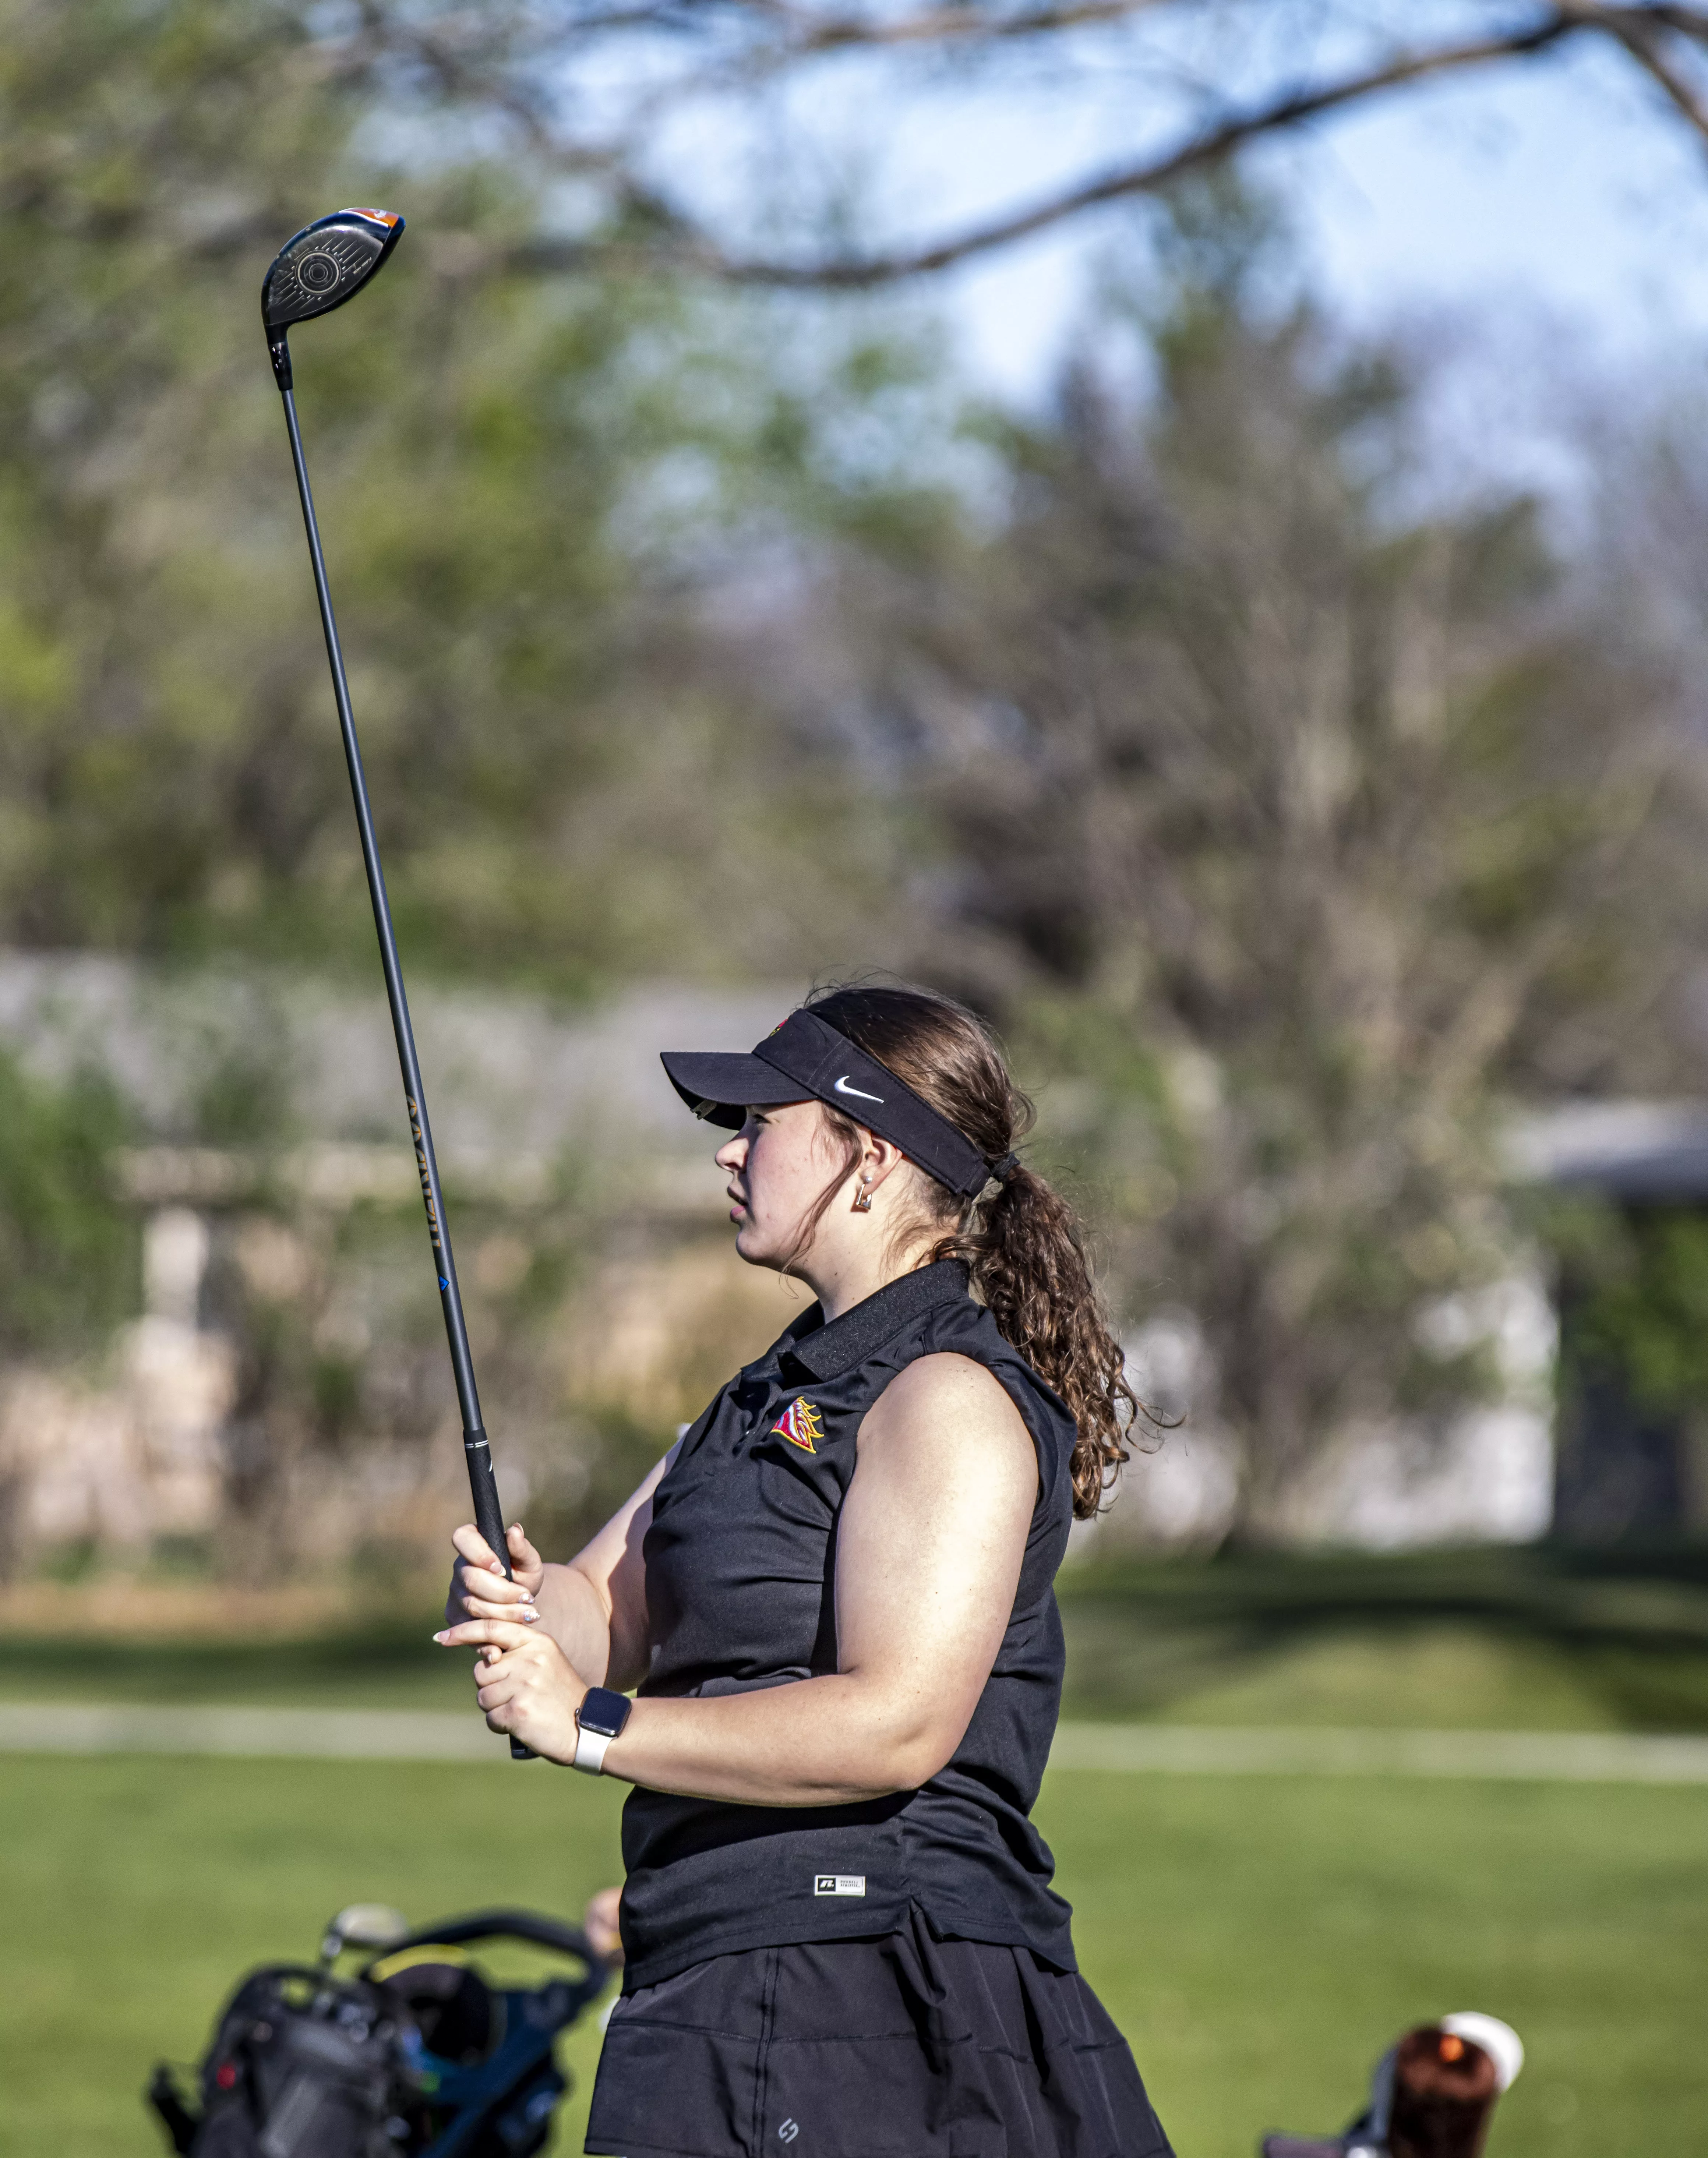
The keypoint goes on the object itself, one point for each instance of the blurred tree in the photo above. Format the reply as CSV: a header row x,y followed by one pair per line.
x,y
1308,826
68,1249
526,491
1640,1314
1633,1377
1307,822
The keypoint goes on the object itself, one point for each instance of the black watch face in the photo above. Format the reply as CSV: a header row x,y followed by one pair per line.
x,y
604,1713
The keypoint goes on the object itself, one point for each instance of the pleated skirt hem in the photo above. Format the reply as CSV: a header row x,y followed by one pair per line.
x,y
898,2047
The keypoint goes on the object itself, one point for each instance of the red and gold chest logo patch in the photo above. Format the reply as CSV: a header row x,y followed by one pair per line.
x,y
802,1425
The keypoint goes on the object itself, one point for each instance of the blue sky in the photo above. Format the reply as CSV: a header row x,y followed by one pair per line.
x,y
1559,191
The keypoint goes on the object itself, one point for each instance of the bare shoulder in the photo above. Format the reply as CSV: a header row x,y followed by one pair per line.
x,y
946,1384
944,1406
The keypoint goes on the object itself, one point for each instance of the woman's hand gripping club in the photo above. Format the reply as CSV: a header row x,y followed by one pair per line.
x,y
479,1586
524,1681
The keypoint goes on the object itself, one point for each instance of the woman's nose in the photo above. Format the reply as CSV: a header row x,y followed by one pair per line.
x,y
733,1152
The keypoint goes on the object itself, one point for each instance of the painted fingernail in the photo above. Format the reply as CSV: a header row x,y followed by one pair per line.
x,y
442,1639
528,1615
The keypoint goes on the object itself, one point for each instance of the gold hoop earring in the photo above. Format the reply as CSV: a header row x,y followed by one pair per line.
x,y
863,1197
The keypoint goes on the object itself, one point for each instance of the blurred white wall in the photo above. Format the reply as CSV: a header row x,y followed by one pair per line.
x,y
1487,1476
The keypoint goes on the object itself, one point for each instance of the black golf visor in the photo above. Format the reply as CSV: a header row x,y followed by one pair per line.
x,y
807,1059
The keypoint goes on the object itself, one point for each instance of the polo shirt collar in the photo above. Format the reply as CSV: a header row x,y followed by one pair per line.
x,y
825,1350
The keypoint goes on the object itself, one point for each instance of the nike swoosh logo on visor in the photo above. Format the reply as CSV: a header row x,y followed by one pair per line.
x,y
842,1086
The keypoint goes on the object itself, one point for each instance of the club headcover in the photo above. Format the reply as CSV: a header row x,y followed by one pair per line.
x,y
1430,2097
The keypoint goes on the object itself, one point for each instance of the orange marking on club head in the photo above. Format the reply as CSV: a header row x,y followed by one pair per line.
x,y
1452,2048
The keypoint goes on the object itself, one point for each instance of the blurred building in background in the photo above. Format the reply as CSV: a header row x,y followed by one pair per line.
x,y
281,1379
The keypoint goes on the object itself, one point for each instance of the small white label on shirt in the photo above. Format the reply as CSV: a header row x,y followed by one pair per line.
x,y
838,1884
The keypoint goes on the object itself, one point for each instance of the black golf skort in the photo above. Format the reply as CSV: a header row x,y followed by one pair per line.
x,y
903,2046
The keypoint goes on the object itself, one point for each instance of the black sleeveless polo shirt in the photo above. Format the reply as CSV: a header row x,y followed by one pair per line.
x,y
740,1566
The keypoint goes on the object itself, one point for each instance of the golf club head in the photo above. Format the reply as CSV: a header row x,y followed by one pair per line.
x,y
326,264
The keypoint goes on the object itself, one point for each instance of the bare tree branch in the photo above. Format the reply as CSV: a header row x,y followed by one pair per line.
x,y
1690,23
475,57
950,25
1640,31
693,248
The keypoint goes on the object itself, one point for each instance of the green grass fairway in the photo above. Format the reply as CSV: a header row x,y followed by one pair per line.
x,y
1258,1939
1535,1639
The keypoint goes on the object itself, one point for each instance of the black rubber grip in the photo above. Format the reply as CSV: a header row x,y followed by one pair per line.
x,y
489,1520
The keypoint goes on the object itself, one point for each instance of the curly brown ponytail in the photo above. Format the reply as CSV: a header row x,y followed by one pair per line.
x,y
1020,1239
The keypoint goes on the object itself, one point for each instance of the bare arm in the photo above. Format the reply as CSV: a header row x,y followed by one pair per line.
x,y
929,1549
595,1608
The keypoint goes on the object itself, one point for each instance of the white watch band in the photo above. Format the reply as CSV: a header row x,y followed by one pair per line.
x,y
589,1756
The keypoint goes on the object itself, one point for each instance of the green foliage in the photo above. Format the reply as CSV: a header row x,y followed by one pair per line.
x,y
1289,809
1639,1290
68,1249
336,1385
524,485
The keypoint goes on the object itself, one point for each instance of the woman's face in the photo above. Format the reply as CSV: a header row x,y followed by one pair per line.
x,y
779,1164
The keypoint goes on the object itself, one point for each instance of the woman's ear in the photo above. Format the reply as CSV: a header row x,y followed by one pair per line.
x,y
879,1159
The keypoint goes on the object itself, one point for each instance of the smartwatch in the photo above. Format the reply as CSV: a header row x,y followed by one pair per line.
x,y
602,1714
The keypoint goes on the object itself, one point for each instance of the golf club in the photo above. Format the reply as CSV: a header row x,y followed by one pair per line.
x,y
327,263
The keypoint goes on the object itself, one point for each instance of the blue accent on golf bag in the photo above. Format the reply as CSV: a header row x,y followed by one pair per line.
x,y
427,2061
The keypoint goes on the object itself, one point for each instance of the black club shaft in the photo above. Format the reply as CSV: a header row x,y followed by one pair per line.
x,y
488,1516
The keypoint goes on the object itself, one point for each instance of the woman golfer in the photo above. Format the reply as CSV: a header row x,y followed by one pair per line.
x,y
834,1597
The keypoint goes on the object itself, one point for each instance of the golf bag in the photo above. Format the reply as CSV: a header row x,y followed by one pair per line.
x,y
1432,2096
405,2059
